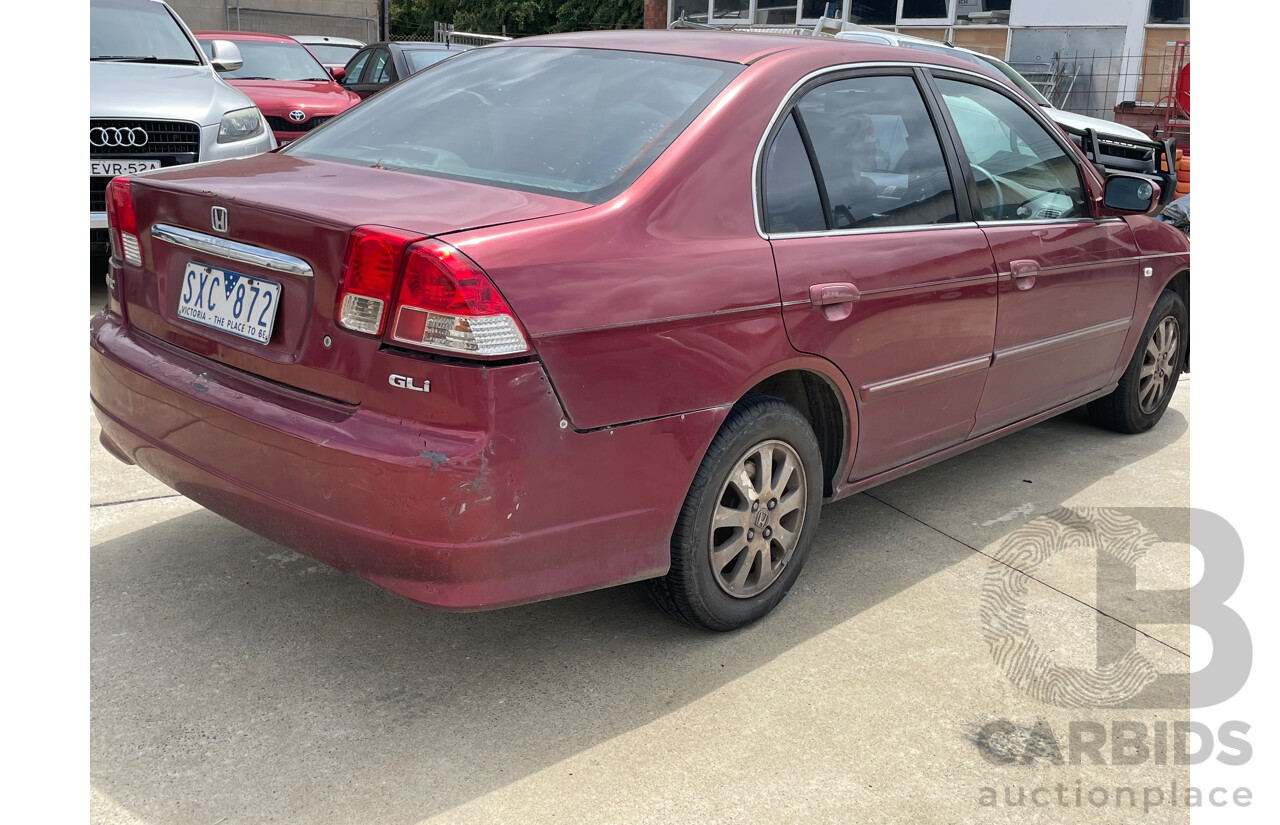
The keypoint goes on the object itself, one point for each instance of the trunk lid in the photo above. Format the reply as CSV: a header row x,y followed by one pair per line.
x,y
299,212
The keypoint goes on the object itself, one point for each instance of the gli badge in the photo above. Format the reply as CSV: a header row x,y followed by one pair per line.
x,y
404,382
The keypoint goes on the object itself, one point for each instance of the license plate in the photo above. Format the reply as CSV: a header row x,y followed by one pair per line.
x,y
111,168
229,302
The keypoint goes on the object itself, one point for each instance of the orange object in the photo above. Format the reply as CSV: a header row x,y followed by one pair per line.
x,y
1183,189
1184,176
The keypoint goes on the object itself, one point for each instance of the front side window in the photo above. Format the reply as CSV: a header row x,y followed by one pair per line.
x,y
577,123
1022,173
879,160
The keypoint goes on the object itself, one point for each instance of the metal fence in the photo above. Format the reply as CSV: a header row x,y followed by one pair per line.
x,y
274,21
1136,88
445,33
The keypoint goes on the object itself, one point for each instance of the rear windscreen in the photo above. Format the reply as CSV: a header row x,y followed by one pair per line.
x,y
577,123
332,53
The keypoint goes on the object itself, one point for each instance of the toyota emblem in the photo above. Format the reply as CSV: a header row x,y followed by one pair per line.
x,y
297,115
103,136
218,218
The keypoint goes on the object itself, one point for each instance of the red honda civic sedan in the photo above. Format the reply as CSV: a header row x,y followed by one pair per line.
x,y
588,309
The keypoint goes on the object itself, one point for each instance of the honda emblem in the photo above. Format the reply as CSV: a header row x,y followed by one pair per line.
x,y
218,218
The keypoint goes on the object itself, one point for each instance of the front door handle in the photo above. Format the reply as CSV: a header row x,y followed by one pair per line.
x,y
835,300
1024,273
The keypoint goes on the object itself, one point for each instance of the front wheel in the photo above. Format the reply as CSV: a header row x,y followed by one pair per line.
x,y
1147,386
748,520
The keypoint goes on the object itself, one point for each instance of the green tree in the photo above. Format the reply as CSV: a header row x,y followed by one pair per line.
x,y
519,17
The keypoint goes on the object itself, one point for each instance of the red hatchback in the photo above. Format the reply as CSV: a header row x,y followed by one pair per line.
x,y
587,309
294,92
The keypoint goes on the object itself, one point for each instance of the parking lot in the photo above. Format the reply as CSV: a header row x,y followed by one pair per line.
x,y
234,681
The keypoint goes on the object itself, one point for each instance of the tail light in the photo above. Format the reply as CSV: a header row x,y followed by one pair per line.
x,y
373,258
446,302
123,222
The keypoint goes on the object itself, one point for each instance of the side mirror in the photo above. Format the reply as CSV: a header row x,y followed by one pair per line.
x,y
226,56
338,73
1129,194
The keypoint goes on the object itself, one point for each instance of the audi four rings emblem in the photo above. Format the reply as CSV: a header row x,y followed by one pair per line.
x,y
218,218
117,136
297,115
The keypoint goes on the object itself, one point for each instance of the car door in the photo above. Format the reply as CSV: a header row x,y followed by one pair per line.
x,y
881,269
354,70
379,74
1068,282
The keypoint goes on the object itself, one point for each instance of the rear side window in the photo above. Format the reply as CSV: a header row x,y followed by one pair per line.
x,y
792,202
420,59
879,159
577,123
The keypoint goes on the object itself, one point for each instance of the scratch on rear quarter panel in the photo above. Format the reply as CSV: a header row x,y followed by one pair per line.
x,y
436,458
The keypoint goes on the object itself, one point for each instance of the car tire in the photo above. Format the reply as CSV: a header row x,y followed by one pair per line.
x,y
1146,387
741,539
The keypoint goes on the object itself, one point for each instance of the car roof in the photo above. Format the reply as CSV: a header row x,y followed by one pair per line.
x,y
137,4
412,45
734,47
216,35
420,45
316,39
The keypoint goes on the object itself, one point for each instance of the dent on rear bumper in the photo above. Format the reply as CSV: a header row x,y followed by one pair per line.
x,y
512,511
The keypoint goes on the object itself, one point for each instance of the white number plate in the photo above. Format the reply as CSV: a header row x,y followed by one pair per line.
x,y
229,302
111,168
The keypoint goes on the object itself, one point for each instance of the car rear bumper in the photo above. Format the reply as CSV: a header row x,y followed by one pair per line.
x,y
517,510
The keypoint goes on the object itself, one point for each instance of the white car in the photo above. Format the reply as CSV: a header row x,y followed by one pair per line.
x,y
1113,146
332,52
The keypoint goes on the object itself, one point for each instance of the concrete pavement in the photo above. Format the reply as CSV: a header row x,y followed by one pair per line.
x,y
234,681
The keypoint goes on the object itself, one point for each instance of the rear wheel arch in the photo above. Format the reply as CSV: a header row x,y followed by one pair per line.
x,y
819,400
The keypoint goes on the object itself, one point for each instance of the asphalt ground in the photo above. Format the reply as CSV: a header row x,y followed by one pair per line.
x,y
927,668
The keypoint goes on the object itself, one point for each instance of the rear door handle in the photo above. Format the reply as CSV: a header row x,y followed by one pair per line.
x,y
1024,273
835,300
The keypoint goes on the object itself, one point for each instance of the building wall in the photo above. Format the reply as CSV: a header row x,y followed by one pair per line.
x,y
328,17
1124,57
1095,13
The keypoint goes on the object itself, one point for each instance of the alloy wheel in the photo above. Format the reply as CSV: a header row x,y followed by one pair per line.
x,y
757,520
1158,369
